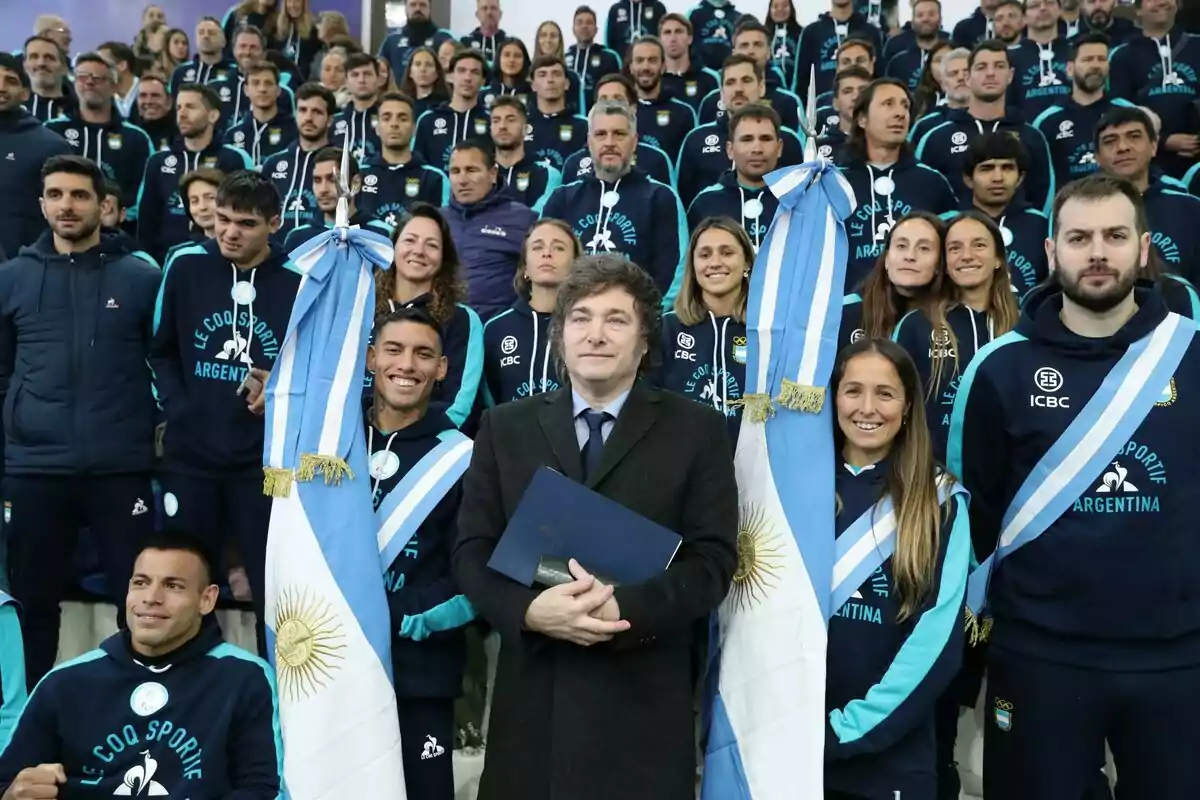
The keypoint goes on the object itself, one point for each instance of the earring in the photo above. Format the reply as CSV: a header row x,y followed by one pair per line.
x,y
746,274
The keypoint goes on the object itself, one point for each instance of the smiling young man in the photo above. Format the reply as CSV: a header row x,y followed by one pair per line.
x,y
1066,432
49,95
163,708
407,440
223,310
619,658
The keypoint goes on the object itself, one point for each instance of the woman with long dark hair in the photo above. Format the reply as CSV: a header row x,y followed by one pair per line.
x,y
929,86
896,636
978,306
907,275
510,73
704,335
785,38
517,357
425,273
424,81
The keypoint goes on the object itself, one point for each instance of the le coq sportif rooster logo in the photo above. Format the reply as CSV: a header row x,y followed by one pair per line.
x,y
1114,481
139,780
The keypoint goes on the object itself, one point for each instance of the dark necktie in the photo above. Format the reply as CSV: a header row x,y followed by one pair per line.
x,y
594,447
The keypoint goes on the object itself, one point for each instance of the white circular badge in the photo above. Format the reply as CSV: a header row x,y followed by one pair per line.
x,y
148,698
884,185
1046,55
609,199
170,504
752,208
841,29
719,14
1007,236
1163,51
384,465
243,293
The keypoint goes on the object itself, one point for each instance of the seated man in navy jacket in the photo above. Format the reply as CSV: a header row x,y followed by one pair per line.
x,y
171,710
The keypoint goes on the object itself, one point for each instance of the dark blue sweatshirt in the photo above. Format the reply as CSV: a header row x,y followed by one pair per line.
x,y
488,46
1110,584
1192,181
359,128
1173,215
439,129
706,362
972,30
48,108
162,219
650,160
488,236
786,104
389,190
647,224
885,676
517,357
913,187
120,149
729,198
663,123
692,86
235,105
74,336
1119,31
972,330
462,345
1130,65
551,138
1039,76
1070,132
427,610
905,41
204,344
29,144
1025,243
1174,95
201,721
291,172
261,139
703,158
819,44
906,65
629,19
306,233
785,47
712,32
832,145
397,47
945,145
529,181
590,63
195,71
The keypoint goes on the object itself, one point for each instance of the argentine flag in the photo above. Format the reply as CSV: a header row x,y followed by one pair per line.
x,y
326,611
767,719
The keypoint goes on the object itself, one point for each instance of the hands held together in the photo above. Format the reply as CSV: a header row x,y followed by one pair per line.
x,y
583,611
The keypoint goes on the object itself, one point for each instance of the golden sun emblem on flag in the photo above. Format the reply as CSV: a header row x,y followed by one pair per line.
x,y
308,643
759,559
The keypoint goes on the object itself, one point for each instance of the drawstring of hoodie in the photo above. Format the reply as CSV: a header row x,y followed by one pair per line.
x,y
581,57
375,479
635,19
250,306
296,174
87,144
203,72
536,388
1166,59
1046,74
237,104
877,234
995,127
602,217
874,13
719,377
989,29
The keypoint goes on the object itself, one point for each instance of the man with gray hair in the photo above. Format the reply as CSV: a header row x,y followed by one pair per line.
x,y
618,209
954,70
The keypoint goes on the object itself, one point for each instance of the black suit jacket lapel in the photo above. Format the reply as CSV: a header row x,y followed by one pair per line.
x,y
637,416
558,425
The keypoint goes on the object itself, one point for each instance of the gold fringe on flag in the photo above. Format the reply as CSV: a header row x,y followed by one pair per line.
x,y
757,407
277,482
978,629
332,467
796,397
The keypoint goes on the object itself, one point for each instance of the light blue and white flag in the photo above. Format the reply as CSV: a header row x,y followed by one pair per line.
x,y
767,719
326,609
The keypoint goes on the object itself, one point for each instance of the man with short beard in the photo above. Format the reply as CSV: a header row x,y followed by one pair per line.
x,y
209,64
1069,125
29,144
76,308
1097,17
1072,435
154,112
956,73
291,170
619,209
652,161
50,95
662,120
419,31
524,178
945,144
98,131
905,53
1125,144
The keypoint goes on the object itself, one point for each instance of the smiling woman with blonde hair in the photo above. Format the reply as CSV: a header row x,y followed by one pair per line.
x,y
704,336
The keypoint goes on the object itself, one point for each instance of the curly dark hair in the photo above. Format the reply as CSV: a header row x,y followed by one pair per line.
x,y
592,275
448,289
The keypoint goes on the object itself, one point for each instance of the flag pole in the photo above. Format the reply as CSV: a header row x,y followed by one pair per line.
x,y
342,216
810,121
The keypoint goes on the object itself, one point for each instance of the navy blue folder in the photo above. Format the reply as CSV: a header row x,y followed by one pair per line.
x,y
560,518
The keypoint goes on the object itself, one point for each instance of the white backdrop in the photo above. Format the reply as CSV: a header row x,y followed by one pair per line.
x,y
522,17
